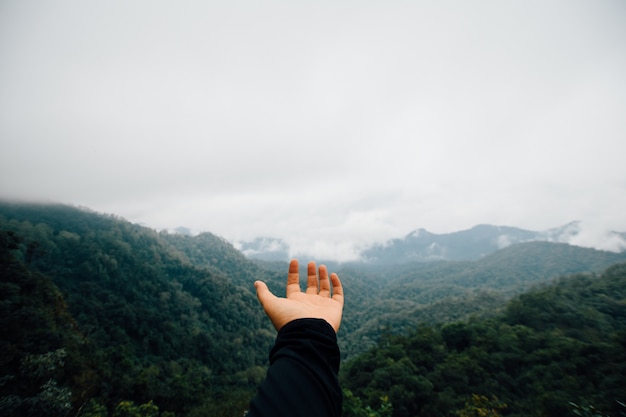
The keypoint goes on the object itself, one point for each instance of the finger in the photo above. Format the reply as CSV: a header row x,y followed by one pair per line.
x,y
293,278
324,282
337,288
263,293
311,282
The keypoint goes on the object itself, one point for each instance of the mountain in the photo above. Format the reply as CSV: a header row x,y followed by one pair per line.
x,y
98,313
424,246
479,241
558,350
401,297
134,315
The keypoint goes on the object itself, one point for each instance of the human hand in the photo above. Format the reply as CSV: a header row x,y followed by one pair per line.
x,y
316,302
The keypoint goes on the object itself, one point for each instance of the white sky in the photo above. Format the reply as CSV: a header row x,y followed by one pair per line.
x,y
330,124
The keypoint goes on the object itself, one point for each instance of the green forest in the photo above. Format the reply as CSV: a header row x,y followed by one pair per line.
x,y
102,317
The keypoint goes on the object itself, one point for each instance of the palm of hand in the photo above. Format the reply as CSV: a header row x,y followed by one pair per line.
x,y
316,302
303,305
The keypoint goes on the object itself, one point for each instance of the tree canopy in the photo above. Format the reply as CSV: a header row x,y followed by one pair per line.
x,y
102,317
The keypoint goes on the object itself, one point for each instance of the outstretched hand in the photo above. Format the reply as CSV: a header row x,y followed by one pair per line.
x,y
316,302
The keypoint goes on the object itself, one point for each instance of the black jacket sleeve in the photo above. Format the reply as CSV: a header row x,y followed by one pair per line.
x,y
302,378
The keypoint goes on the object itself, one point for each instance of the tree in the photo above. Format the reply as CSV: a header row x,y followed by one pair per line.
x,y
353,407
481,406
130,409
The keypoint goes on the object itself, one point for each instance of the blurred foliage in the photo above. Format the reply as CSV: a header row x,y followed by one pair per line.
x,y
353,407
481,406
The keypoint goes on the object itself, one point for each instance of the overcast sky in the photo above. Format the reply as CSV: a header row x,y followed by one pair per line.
x,y
330,124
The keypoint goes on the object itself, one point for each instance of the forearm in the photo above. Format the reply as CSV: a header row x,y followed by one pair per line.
x,y
302,378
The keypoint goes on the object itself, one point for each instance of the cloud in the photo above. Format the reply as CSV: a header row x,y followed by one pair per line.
x,y
332,125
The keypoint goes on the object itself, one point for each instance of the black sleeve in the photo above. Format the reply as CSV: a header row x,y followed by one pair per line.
x,y
302,378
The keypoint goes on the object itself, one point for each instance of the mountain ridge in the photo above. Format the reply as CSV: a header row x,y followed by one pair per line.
x,y
421,245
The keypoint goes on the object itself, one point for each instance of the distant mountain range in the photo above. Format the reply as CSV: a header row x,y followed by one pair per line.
x,y
472,244
424,246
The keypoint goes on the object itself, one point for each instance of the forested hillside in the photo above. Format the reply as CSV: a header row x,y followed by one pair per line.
x,y
550,351
101,317
400,297
149,324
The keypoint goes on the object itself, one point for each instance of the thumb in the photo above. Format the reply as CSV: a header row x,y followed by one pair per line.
x,y
263,293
